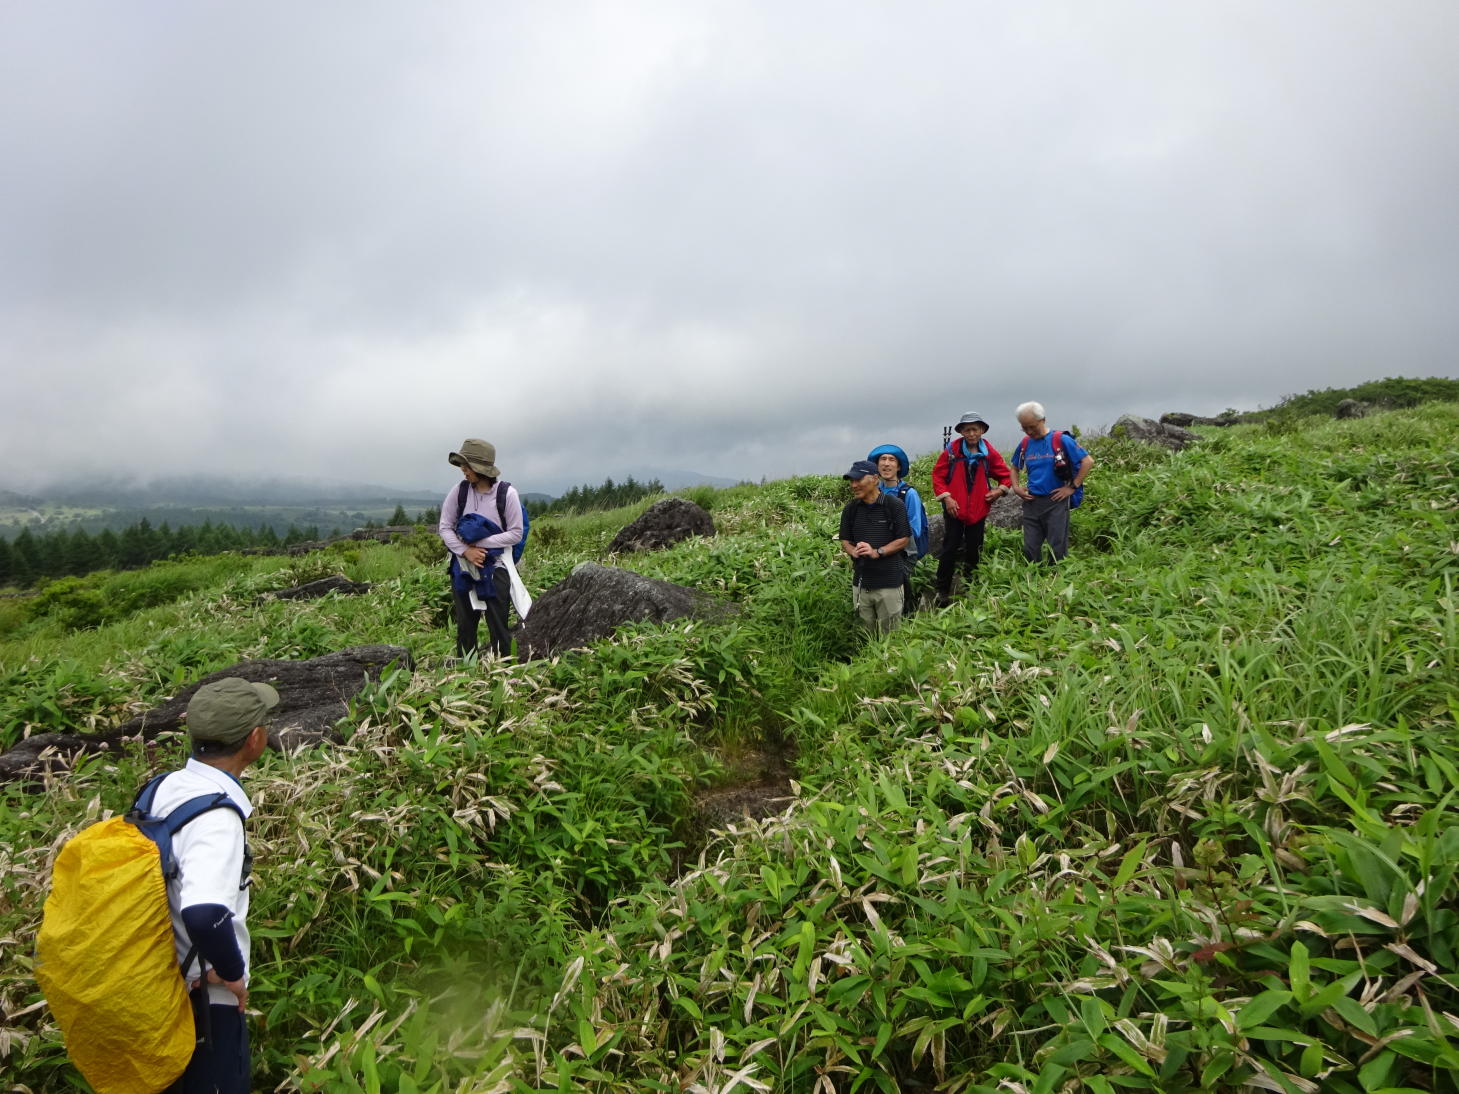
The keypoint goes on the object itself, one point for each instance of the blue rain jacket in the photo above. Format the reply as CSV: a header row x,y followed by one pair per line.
x,y
472,527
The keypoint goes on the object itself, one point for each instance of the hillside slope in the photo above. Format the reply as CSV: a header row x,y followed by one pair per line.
x,y
1176,816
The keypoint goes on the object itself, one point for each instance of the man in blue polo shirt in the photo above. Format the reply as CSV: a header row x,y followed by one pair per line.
x,y
1055,473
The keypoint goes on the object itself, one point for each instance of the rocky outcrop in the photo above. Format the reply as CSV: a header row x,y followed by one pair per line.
x,y
1005,512
1146,431
662,524
936,531
593,601
1351,408
313,590
1178,418
313,696
387,534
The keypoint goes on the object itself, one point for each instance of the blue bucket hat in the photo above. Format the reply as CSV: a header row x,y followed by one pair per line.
x,y
891,450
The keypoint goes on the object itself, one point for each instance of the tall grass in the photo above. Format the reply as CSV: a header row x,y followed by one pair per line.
x,y
1178,815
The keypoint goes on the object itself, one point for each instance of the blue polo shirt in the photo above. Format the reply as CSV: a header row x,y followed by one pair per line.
x,y
1039,460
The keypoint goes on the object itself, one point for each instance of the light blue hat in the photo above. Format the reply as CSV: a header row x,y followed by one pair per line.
x,y
891,450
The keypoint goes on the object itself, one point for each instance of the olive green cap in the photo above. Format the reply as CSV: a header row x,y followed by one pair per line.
x,y
228,710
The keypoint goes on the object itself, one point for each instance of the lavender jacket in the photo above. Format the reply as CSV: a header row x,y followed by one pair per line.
x,y
484,503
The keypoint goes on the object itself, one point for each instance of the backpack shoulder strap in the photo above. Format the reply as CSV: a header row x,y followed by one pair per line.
x,y
142,803
502,487
194,808
160,830
902,488
1058,441
461,497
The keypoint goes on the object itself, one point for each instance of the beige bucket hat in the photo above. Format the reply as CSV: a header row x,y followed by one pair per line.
x,y
478,455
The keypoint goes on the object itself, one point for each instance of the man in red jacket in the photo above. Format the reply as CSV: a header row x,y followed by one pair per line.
x,y
968,475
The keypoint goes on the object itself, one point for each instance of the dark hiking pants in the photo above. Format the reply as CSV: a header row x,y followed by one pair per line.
x,y
468,619
959,541
219,1063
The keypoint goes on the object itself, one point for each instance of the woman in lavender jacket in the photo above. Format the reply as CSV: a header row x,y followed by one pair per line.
x,y
477,461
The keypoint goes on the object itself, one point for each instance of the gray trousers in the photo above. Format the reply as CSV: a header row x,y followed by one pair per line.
x,y
1045,520
880,609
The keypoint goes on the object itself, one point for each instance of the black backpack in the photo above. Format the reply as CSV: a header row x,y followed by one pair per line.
x,y
501,513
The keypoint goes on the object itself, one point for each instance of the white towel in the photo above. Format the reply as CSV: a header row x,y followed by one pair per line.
x,y
521,599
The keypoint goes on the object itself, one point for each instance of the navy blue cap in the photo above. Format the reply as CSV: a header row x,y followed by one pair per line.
x,y
860,469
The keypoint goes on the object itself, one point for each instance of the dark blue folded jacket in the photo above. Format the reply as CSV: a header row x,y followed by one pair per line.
x,y
472,527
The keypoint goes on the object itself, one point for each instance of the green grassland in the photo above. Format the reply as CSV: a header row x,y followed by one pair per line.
x,y
1176,816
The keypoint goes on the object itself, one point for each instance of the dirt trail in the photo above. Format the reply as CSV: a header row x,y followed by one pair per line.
x,y
758,785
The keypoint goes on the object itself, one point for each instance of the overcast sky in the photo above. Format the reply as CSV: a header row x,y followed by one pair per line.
x,y
747,239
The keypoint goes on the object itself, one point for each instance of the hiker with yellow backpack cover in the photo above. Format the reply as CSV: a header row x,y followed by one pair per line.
x,y
143,947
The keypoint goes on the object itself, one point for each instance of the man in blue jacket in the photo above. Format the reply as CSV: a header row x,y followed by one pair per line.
x,y
1056,467
892,466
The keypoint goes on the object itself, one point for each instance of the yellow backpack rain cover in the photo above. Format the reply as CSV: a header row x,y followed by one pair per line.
x,y
107,962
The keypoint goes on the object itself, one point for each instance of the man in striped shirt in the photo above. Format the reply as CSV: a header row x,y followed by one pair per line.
x,y
875,533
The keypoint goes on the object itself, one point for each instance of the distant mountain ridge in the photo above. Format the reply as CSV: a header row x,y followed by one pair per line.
x,y
11,499
677,480
212,491
216,490
95,503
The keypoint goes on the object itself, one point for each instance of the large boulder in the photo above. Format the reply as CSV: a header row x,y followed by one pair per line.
x,y
1005,512
936,531
1351,408
593,601
313,696
1147,431
387,534
314,590
662,524
1179,418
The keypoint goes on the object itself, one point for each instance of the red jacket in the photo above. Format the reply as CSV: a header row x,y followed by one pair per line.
x,y
949,476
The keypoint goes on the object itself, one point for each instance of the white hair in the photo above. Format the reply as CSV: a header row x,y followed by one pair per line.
x,y
1030,410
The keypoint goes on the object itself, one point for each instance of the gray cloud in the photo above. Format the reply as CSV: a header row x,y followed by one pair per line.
x,y
747,239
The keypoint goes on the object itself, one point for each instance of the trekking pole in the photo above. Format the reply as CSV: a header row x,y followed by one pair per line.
x,y
198,996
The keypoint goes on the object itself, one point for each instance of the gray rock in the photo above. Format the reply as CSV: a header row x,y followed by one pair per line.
x,y
662,524
1147,431
313,696
1006,512
1178,418
313,590
1351,408
936,531
387,534
593,601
